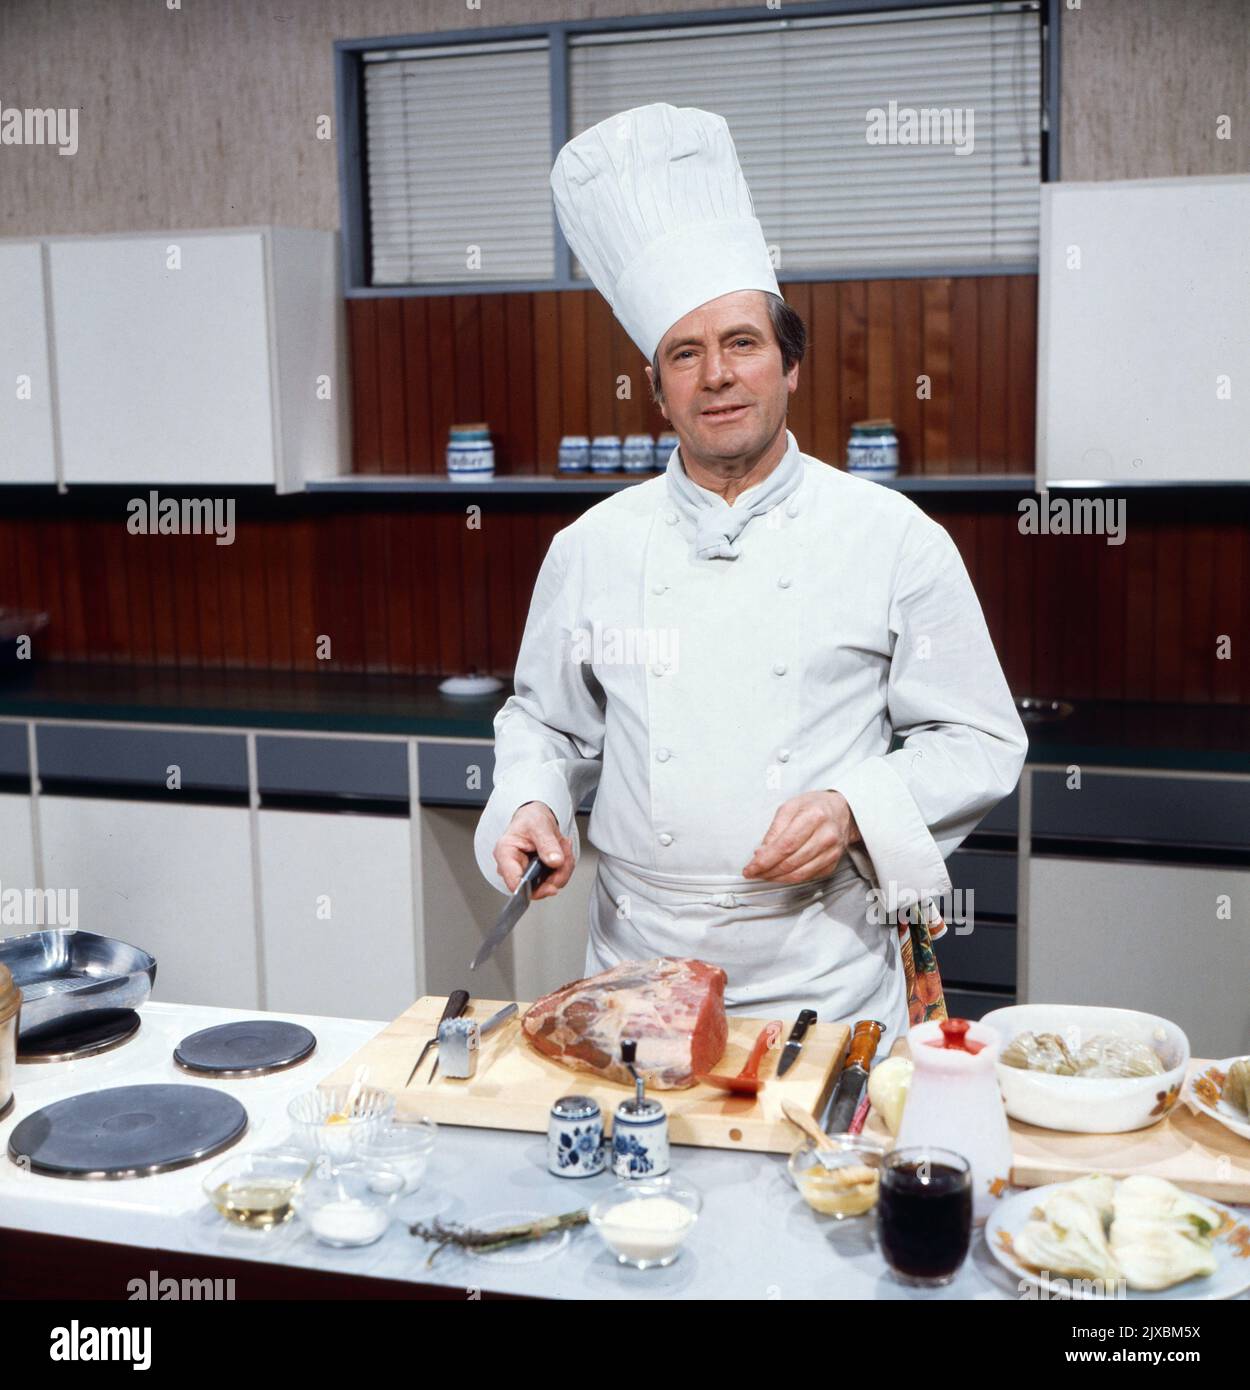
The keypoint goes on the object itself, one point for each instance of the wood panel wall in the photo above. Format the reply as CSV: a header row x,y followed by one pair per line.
x,y
536,366
406,587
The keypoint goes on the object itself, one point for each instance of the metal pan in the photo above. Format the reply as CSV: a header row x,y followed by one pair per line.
x,y
65,974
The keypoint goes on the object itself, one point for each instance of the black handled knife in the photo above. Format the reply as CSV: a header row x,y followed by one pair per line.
x,y
794,1043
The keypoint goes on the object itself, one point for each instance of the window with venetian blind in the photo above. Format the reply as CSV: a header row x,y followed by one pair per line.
x,y
896,141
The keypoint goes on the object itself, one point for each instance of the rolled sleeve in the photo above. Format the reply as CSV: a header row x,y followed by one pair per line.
x,y
963,741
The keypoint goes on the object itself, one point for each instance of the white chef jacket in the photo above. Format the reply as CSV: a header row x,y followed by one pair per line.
x,y
700,694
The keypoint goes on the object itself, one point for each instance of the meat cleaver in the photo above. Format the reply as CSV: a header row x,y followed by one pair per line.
x,y
535,872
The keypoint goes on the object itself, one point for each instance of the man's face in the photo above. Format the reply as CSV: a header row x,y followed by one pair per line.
x,y
724,391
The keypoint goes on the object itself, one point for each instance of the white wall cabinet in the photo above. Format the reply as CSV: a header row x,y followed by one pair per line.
x,y
176,880
27,449
199,358
1143,936
336,894
1143,352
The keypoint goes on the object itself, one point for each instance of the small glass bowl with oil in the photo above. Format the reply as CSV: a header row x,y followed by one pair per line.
x,y
256,1190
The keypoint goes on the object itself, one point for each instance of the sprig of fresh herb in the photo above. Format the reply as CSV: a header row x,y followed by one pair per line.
x,y
451,1233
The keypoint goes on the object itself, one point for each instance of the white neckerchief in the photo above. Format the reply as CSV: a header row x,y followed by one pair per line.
x,y
717,523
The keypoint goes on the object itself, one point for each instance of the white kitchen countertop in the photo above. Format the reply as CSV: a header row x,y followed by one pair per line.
x,y
755,1239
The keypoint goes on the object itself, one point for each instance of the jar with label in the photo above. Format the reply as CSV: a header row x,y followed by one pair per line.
x,y
638,455
605,453
873,450
470,453
640,1139
575,1138
574,454
664,447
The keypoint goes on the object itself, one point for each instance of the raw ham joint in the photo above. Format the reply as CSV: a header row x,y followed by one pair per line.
x,y
674,1009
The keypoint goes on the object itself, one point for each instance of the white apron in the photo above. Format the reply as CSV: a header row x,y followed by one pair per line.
x,y
784,947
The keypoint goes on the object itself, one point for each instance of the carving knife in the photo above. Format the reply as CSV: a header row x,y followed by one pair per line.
x,y
535,872
457,1003
794,1043
864,1039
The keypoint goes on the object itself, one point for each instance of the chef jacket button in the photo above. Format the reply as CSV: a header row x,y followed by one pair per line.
x,y
783,755
658,668
792,509
671,518
658,588
662,755
784,582
666,839
779,669
726,900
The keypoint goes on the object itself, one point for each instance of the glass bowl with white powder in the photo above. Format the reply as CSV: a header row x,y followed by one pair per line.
x,y
645,1222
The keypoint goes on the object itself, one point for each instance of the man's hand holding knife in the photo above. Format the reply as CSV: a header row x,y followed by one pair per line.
x,y
533,830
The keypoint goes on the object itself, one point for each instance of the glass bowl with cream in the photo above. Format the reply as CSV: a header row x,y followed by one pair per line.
x,y
644,1222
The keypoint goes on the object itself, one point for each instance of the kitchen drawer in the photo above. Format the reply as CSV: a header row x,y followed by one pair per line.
x,y
1157,810
991,877
985,957
88,760
1003,819
14,758
372,769
461,774
456,774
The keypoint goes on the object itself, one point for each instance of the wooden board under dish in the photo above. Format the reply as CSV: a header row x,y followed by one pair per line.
x,y
1187,1148
515,1085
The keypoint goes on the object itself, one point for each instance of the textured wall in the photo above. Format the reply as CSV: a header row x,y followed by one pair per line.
x,y
1144,83
203,116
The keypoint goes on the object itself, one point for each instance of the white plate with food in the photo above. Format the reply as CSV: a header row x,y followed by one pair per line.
x,y
1138,1238
1086,1069
1223,1092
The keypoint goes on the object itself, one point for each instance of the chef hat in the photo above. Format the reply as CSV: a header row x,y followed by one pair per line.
x,y
654,204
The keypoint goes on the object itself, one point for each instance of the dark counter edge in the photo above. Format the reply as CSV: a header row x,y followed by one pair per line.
x,y
401,706
34,1265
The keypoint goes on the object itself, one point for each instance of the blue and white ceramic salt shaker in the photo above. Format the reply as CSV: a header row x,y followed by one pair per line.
x,y
639,1129
575,1147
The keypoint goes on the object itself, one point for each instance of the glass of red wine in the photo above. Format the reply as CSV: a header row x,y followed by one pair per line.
x,y
924,1214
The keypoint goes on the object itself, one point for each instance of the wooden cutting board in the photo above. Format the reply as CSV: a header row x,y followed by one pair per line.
x,y
515,1085
1187,1148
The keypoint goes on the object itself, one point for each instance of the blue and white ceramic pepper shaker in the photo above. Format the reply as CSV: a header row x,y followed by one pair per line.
x,y
639,1128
